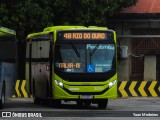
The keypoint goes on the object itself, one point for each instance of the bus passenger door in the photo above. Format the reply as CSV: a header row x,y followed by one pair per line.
x,y
40,74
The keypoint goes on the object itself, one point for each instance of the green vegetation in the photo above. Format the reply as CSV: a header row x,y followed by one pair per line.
x,y
27,16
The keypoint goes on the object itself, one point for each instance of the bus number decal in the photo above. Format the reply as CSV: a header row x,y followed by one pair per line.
x,y
67,35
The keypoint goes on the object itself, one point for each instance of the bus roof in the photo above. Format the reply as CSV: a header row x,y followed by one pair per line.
x,y
35,35
6,32
53,28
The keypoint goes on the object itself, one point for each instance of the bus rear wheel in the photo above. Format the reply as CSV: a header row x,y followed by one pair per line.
x,y
102,104
87,103
80,103
37,101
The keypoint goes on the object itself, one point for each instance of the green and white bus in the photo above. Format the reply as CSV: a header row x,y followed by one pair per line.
x,y
8,57
72,63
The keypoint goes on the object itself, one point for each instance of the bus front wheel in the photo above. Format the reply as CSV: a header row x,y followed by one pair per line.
x,y
80,103
56,103
102,104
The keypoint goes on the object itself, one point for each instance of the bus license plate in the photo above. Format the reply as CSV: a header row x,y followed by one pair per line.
x,y
87,96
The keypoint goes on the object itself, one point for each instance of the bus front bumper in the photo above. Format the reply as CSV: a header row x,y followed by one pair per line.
x,y
66,92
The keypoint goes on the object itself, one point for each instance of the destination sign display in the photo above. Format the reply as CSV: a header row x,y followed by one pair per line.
x,y
84,35
69,65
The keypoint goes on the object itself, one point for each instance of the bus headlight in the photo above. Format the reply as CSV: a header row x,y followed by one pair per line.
x,y
60,84
112,83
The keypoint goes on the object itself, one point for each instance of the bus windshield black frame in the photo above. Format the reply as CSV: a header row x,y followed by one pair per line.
x,y
101,74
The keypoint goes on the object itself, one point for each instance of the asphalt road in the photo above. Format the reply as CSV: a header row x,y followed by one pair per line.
x,y
121,109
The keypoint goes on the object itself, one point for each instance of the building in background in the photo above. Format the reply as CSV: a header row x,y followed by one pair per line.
x,y
138,31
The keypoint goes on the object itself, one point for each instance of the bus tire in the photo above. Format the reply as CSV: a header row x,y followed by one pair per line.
x,y
2,100
37,101
56,103
87,103
102,104
80,103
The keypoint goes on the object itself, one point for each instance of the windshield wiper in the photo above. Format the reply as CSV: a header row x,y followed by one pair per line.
x,y
75,49
94,50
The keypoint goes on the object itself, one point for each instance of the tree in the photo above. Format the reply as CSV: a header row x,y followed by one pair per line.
x,y
27,16
86,12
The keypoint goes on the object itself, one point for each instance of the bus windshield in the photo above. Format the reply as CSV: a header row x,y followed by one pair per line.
x,y
84,58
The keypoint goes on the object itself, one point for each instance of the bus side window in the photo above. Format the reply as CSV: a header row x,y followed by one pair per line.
x,y
35,50
44,49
